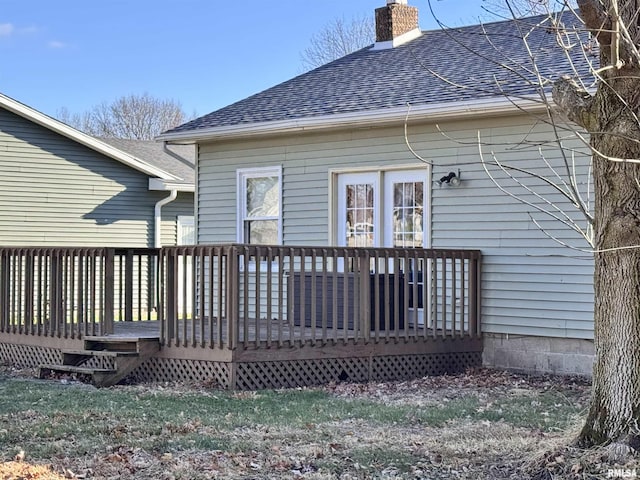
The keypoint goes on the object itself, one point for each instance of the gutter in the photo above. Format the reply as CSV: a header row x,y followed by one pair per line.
x,y
157,218
439,111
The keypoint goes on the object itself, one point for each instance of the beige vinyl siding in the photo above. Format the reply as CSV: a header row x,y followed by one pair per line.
x,y
56,192
531,284
183,205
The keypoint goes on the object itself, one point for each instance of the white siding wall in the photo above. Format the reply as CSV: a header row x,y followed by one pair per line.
x,y
531,285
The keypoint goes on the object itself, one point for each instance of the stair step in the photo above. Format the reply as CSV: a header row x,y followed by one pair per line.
x,y
122,344
116,338
127,352
101,353
42,370
78,357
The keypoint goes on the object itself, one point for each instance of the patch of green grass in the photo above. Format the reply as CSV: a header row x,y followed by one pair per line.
x,y
50,418
547,411
375,459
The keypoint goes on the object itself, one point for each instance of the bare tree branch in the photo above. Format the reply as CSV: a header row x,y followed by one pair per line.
x,y
574,102
337,39
138,117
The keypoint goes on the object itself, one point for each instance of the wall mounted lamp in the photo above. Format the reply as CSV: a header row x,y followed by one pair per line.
x,y
452,179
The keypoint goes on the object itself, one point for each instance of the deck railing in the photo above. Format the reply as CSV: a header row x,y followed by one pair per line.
x,y
249,297
71,292
243,296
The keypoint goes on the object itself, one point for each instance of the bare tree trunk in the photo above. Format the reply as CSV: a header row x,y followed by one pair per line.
x,y
615,405
610,117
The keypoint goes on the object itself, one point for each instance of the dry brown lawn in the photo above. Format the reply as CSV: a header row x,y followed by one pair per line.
x,y
482,424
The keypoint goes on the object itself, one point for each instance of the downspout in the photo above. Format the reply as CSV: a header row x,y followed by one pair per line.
x,y
158,217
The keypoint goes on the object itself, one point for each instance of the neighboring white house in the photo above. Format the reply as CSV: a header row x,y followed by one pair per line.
x,y
324,159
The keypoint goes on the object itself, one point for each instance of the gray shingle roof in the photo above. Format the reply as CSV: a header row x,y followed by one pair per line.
x,y
460,64
178,160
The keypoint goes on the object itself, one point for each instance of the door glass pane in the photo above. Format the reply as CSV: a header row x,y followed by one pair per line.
x,y
360,227
408,214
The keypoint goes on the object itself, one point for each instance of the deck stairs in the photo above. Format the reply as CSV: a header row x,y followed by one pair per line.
x,y
121,354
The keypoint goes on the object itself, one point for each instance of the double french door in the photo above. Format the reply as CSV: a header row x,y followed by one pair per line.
x,y
386,209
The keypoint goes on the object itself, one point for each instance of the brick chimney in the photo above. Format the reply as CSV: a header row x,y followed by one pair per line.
x,y
396,24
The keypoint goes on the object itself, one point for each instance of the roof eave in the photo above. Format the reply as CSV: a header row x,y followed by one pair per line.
x,y
87,140
441,111
159,184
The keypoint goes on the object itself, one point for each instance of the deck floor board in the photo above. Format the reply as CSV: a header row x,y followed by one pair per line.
x,y
279,331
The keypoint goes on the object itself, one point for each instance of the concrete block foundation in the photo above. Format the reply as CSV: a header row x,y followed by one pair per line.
x,y
561,356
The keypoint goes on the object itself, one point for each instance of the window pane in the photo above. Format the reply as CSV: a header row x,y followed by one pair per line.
x,y
360,231
263,197
261,232
408,214
187,235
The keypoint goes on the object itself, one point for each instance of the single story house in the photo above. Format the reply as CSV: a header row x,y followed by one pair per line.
x,y
61,187
380,217
392,146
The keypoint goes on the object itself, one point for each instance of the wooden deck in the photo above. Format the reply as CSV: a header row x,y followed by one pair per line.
x,y
336,313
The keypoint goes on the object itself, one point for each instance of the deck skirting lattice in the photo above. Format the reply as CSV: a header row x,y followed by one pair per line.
x,y
296,373
155,369
401,367
266,374
28,356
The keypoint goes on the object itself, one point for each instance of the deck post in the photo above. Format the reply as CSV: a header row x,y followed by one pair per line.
x,y
478,330
109,292
171,293
128,286
364,263
5,290
28,292
232,297
56,306
474,296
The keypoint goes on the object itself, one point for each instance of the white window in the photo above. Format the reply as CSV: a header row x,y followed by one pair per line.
x,y
186,230
259,206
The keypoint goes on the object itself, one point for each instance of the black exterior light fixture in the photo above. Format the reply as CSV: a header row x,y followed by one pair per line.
x,y
452,179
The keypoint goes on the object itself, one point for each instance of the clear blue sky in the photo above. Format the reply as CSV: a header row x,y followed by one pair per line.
x,y
203,53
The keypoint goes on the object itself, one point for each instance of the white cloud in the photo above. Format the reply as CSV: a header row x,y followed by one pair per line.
x,y
6,29
56,44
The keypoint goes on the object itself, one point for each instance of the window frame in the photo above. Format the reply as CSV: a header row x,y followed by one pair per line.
x,y
242,175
